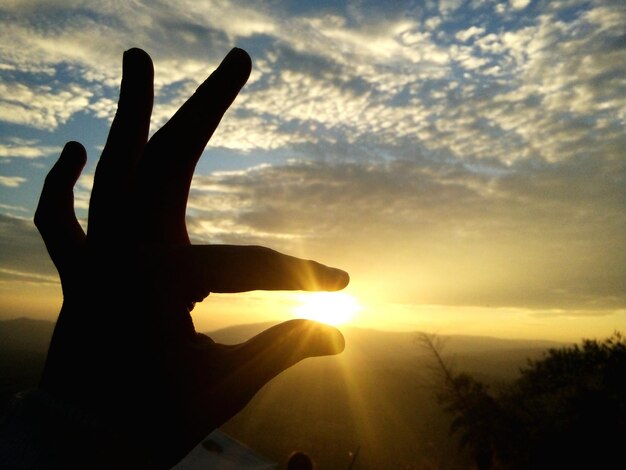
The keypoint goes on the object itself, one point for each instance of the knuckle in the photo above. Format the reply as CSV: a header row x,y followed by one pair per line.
x,y
38,218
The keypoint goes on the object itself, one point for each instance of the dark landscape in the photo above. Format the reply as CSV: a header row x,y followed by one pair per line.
x,y
374,399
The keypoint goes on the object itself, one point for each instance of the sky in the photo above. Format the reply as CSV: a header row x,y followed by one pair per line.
x,y
463,160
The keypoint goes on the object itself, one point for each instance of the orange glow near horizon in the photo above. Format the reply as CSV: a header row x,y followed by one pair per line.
x,y
333,308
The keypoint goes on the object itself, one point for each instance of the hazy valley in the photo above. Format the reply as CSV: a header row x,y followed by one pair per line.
x,y
375,397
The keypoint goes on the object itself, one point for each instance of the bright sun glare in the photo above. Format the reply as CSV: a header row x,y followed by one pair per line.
x,y
334,308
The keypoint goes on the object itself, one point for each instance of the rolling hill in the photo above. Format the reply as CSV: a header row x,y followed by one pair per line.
x,y
373,398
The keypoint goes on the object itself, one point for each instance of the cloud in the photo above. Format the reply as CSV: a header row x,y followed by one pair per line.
x,y
22,250
530,91
62,47
366,52
524,236
40,106
519,4
469,33
11,181
10,208
524,90
518,237
480,155
25,148
555,312
10,274
446,7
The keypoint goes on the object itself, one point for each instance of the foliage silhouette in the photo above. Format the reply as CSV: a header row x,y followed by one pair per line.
x,y
565,410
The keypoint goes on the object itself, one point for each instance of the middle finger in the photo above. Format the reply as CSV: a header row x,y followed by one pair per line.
x,y
170,158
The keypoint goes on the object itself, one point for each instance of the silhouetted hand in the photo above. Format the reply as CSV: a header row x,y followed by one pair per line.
x,y
125,350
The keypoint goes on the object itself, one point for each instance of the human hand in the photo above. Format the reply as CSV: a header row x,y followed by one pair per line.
x,y
125,350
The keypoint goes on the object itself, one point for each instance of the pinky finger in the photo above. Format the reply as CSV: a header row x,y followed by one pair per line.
x,y
55,217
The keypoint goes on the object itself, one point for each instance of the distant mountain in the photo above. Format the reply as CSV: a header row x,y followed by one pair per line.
x,y
23,346
25,334
382,339
374,397
238,333
24,343
34,335
484,355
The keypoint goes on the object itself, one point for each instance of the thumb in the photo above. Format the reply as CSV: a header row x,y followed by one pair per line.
x,y
250,365
287,343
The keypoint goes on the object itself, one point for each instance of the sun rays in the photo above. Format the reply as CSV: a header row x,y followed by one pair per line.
x,y
333,308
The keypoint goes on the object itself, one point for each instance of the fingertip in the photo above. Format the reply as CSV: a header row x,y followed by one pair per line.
x,y
329,340
317,339
55,210
69,164
331,279
241,56
74,154
238,62
336,341
135,53
342,279
135,50
136,60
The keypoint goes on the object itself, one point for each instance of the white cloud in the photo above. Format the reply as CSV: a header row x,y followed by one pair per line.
x,y
490,43
41,106
11,181
549,89
549,241
257,133
519,4
466,58
447,7
502,144
23,148
566,75
469,33
386,55
432,23
606,16
10,209
29,276
22,250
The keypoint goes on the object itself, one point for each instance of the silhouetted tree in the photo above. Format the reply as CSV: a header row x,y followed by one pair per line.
x,y
567,409
472,408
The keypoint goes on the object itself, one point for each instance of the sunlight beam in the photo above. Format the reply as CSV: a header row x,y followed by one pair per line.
x,y
333,308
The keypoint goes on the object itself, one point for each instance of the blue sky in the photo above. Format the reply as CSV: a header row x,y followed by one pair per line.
x,y
450,155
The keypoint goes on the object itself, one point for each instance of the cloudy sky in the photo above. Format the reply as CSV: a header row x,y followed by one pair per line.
x,y
463,160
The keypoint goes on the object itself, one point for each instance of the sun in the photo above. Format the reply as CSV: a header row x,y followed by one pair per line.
x,y
333,308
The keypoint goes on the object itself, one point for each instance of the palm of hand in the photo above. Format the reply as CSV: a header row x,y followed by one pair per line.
x,y
125,348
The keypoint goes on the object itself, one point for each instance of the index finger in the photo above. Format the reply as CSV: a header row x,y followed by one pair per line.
x,y
189,130
172,153
200,269
124,147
